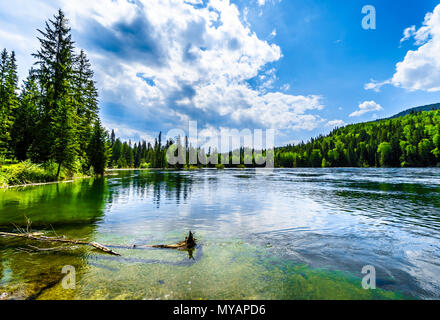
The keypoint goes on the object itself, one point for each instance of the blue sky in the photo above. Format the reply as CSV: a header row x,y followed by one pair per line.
x,y
301,67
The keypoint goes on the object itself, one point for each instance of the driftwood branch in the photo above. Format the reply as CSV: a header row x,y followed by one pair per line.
x,y
187,244
39,237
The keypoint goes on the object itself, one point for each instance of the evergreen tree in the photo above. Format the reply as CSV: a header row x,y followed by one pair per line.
x,y
127,155
138,155
8,100
23,130
98,149
57,126
116,154
85,98
65,145
112,138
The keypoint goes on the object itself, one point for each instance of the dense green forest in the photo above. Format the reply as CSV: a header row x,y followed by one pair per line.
x,y
147,155
140,155
410,141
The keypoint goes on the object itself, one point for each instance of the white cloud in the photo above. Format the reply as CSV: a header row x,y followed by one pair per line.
x,y
125,133
376,85
420,69
261,2
167,62
366,107
335,123
408,33
209,53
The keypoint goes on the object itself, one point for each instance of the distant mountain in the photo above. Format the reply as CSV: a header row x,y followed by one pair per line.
x,y
431,107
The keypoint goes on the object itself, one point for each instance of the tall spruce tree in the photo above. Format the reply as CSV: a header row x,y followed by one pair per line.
x,y
112,138
98,149
86,99
57,126
8,100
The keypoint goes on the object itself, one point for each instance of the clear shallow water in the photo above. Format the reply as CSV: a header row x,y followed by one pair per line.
x,y
290,234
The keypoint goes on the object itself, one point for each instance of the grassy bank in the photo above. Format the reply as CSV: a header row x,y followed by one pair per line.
x,y
22,173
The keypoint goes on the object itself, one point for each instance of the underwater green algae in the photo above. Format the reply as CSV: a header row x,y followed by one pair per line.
x,y
228,270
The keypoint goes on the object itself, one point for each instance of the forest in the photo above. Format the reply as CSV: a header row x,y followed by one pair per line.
x,y
50,128
409,141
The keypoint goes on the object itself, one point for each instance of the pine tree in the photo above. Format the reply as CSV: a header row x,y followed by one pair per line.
x,y
85,98
65,145
127,159
158,152
57,126
138,156
8,100
98,149
23,130
112,138
116,153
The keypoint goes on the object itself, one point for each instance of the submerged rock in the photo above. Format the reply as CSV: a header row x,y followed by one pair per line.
x,y
30,290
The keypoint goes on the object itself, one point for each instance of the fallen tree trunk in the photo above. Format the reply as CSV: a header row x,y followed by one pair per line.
x,y
188,243
40,237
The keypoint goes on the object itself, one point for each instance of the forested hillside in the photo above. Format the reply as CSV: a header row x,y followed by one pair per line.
x,y
430,107
410,141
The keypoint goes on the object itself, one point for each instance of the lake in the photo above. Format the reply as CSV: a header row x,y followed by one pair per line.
x,y
286,234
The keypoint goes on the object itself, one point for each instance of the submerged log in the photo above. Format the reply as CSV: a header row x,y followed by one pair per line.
x,y
39,237
188,243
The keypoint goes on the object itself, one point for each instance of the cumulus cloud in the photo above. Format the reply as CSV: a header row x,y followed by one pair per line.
x,y
160,64
366,107
420,69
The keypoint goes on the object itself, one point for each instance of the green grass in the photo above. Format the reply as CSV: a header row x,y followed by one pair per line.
x,y
27,173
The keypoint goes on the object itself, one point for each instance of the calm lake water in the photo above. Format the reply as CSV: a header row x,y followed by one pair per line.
x,y
290,234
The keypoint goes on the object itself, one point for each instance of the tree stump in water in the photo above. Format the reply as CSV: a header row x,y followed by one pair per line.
x,y
189,243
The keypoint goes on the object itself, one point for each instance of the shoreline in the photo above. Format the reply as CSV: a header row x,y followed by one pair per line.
x,y
36,184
